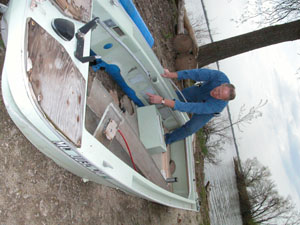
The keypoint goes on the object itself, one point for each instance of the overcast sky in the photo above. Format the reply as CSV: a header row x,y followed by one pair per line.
x,y
268,74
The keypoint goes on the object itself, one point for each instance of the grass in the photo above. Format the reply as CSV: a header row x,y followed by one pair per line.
x,y
199,168
167,35
201,137
2,44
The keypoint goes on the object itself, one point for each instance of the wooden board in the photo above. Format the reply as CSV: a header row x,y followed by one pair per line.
x,y
76,9
98,100
58,85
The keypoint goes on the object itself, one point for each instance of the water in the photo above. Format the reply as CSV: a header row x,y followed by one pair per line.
x,y
223,197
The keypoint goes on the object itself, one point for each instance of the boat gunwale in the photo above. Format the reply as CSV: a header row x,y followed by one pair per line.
x,y
38,113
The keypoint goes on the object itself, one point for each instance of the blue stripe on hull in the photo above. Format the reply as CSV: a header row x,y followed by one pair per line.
x,y
136,17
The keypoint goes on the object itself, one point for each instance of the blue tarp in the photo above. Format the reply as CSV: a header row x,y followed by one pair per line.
x,y
115,73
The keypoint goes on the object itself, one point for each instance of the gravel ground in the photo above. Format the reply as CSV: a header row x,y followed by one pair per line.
x,y
34,190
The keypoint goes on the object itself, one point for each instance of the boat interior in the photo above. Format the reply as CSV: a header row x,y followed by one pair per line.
x,y
99,105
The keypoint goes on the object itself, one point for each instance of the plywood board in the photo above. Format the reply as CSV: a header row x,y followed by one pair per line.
x,y
76,9
58,85
98,100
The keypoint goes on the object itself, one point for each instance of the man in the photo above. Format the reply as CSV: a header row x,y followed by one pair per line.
x,y
204,101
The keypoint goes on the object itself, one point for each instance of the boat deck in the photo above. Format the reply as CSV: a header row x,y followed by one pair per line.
x,y
59,90
58,85
98,110
64,111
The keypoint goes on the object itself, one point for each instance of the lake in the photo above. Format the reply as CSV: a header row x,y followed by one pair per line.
x,y
223,197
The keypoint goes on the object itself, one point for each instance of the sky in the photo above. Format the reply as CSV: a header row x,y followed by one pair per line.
x,y
270,74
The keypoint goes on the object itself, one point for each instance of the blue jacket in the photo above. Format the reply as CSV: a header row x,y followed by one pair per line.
x,y
199,99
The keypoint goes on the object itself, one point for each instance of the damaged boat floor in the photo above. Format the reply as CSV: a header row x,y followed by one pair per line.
x,y
64,107
101,86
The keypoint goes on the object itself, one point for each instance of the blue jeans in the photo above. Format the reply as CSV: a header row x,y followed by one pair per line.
x,y
192,126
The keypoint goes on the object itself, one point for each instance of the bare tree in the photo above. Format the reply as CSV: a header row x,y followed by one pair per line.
x,y
254,172
293,218
242,120
267,206
212,155
281,10
200,29
271,12
216,133
246,42
215,142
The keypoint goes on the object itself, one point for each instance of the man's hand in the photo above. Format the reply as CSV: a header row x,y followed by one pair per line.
x,y
168,74
154,99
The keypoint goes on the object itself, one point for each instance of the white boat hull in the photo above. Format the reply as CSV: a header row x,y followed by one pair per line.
x,y
92,160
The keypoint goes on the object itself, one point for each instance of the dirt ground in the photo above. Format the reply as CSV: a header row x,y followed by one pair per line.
x,y
34,190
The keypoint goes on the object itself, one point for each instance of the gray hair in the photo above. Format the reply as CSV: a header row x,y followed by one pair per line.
x,y
232,91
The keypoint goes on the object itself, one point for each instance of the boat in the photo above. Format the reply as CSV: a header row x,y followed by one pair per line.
x,y
53,50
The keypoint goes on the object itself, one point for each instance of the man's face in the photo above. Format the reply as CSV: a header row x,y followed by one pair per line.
x,y
220,92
